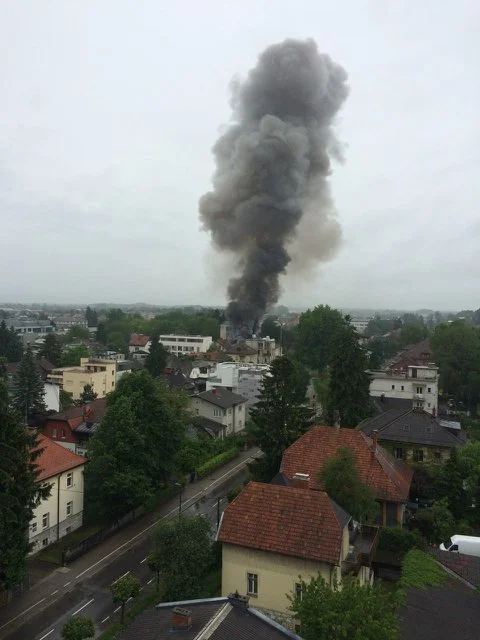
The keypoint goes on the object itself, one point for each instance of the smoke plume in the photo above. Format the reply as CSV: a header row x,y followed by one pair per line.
x,y
271,198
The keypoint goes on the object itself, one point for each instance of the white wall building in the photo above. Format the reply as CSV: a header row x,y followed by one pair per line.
x,y
419,384
239,377
62,511
52,396
360,324
181,344
221,406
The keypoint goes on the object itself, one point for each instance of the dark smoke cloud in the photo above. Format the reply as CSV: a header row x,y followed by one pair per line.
x,y
271,192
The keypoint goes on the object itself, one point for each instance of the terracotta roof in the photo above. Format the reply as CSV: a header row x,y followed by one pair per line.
x,y
285,520
55,459
138,340
419,354
389,478
95,411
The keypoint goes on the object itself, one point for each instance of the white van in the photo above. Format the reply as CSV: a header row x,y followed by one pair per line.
x,y
469,545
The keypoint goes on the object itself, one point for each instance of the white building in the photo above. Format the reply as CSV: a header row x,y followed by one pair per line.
x,y
62,511
419,384
181,344
52,396
360,324
266,348
29,330
223,407
242,378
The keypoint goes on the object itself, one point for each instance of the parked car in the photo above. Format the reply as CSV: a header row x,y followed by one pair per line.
x,y
469,545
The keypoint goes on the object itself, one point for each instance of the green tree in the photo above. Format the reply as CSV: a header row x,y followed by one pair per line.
x,y
116,341
77,333
79,628
116,477
66,400
157,357
341,480
91,317
436,523
349,388
155,564
102,335
19,491
449,484
10,344
123,589
72,357
316,334
345,611
29,391
51,350
88,394
412,333
184,555
279,417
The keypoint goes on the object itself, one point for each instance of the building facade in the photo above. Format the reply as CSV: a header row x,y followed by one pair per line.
x,y
360,324
98,372
242,378
222,406
182,344
418,384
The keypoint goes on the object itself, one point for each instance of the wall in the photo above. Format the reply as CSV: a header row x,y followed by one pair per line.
x,y
233,419
42,537
186,344
52,397
277,575
392,386
408,450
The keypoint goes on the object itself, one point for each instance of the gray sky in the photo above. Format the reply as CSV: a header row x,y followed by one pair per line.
x,y
109,110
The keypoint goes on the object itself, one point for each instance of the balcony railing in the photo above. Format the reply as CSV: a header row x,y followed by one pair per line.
x,y
363,545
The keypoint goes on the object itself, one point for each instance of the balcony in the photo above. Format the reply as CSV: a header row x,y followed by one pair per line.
x,y
363,544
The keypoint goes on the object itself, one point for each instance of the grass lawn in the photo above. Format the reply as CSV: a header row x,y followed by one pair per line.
x,y
53,553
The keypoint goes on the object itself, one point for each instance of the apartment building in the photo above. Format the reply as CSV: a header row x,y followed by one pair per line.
x,y
417,383
223,407
242,378
98,372
182,344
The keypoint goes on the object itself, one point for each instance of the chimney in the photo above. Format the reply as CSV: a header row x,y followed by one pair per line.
x,y
181,619
236,600
374,438
300,480
336,419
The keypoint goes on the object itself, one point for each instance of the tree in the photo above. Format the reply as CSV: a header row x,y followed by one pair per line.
x,y
116,477
29,392
341,480
157,357
88,394
154,562
349,388
345,611
19,491
102,335
66,400
436,523
184,555
315,336
449,484
91,317
123,589
279,417
72,357
52,349
79,628
116,341
10,344
77,333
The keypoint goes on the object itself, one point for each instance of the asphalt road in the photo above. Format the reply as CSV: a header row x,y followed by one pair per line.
x,y
91,596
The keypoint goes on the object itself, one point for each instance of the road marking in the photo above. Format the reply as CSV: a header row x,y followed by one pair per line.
x,y
125,574
22,614
83,607
117,609
143,561
47,634
105,619
67,583
54,592
150,581
131,598
141,589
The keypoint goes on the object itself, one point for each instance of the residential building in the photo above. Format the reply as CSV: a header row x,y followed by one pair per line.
x,y
100,373
272,535
225,618
65,322
418,383
139,342
29,330
221,406
74,427
242,378
389,478
62,511
184,345
241,352
360,324
414,435
417,355
266,348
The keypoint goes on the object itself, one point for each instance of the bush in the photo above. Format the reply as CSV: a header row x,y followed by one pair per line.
x,y
212,464
436,523
233,493
399,540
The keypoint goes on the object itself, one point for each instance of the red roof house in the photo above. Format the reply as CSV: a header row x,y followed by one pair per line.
x,y
55,459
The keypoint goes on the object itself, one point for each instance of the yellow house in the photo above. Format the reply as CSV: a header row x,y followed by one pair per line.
x,y
98,372
62,511
273,534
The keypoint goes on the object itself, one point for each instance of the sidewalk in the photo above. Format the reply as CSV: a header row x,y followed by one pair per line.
x,y
63,579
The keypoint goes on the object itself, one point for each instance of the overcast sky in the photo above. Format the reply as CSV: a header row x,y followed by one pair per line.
x,y
109,110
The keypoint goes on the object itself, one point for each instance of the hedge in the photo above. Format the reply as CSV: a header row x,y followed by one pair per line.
x,y
399,540
213,463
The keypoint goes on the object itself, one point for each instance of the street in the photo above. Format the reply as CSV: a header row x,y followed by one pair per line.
x,y
73,590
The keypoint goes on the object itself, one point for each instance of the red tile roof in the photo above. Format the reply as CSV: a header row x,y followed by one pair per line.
x,y
93,411
138,340
55,459
284,520
388,477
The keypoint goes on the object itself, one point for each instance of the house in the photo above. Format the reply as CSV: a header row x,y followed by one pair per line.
x,y
225,618
273,534
414,435
100,373
389,478
176,379
418,355
185,345
62,511
74,427
240,377
241,352
266,348
360,324
139,342
221,406
417,383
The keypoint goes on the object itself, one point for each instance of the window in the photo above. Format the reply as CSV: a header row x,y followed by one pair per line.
x,y
45,542
428,429
419,389
33,527
403,388
252,584
437,457
399,453
63,434
240,408
70,479
429,389
54,432
418,455
393,387
69,508
217,412
298,590
429,405
45,520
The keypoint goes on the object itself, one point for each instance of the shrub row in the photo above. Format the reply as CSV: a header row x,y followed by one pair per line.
x,y
399,540
212,463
